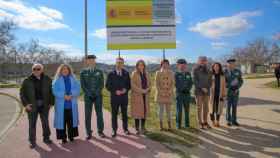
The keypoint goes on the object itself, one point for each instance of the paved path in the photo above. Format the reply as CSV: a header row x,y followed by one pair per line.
x,y
259,134
9,113
15,144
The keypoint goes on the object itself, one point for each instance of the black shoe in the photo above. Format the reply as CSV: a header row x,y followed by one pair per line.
x,y
229,124
101,135
143,131
201,126
71,139
126,132
88,137
207,125
64,141
114,134
236,124
48,141
32,145
137,132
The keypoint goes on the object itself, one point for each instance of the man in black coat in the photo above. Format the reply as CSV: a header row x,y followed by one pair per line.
x,y
277,73
37,98
118,84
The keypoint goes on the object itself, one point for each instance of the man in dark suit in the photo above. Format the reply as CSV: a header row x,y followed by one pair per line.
x,y
118,84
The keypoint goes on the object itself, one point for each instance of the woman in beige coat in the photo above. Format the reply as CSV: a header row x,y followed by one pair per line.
x,y
140,90
165,91
217,94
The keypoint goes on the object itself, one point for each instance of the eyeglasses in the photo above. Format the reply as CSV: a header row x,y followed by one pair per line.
x,y
37,69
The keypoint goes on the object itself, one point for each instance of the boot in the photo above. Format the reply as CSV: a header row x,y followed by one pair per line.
x,y
161,125
218,124
169,125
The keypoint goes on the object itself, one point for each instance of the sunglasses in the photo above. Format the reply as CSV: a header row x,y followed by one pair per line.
x,y
37,69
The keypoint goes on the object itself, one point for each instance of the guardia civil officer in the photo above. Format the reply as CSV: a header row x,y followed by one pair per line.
x,y
92,83
183,83
234,82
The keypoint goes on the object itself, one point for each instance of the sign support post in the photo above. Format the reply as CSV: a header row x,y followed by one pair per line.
x,y
86,28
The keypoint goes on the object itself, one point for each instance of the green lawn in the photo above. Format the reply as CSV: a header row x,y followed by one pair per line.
x,y
9,85
177,141
272,84
258,76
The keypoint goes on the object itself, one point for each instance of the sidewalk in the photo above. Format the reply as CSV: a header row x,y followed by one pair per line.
x,y
15,145
9,113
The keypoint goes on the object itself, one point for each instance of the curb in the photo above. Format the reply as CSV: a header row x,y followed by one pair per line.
x,y
17,115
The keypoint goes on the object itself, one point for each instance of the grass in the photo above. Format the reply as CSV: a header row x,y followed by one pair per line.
x,y
9,85
178,141
259,76
272,84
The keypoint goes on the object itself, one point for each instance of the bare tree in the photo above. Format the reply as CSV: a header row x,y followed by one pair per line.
x,y
255,53
6,33
275,53
6,42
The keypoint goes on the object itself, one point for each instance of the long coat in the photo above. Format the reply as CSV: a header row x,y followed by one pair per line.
x,y
165,87
58,88
137,102
223,93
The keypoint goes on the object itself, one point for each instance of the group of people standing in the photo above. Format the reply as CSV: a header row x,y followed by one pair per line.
x,y
212,88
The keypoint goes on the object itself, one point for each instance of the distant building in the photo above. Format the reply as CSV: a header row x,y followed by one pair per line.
x,y
250,68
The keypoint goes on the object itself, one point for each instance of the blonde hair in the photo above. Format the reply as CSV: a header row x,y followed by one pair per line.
x,y
59,70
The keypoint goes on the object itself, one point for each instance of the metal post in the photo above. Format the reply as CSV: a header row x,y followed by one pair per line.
x,y
119,53
163,53
16,70
86,28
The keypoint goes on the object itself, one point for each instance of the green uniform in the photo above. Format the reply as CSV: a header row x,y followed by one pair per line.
x,y
183,83
92,83
231,77
234,82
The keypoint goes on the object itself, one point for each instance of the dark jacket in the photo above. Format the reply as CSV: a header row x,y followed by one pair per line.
x,y
92,83
231,76
28,96
115,82
202,78
183,83
277,72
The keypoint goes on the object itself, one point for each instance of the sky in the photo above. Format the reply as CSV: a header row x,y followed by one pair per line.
x,y
211,28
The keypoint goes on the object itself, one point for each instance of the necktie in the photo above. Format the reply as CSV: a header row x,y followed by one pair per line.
x,y
119,73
